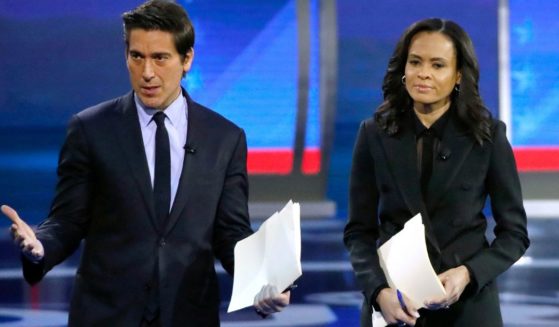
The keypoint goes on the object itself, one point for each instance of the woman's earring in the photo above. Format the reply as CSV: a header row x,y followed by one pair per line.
x,y
457,88
404,79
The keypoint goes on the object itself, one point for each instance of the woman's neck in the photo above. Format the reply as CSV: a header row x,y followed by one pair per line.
x,y
428,115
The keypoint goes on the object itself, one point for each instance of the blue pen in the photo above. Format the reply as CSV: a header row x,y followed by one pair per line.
x,y
401,300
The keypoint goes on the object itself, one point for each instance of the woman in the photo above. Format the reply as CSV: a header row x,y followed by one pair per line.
x,y
432,147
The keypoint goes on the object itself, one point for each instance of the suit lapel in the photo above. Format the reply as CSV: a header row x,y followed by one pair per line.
x,y
457,144
193,139
129,135
401,153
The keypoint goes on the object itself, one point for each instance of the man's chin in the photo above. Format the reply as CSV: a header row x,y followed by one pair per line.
x,y
150,102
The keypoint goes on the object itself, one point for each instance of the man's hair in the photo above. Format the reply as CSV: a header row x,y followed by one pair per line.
x,y
161,15
469,107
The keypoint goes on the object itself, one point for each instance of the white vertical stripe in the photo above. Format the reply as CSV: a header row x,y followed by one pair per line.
x,y
505,100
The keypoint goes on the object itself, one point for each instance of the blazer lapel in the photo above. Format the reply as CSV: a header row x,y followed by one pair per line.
x,y
456,145
401,153
129,136
194,138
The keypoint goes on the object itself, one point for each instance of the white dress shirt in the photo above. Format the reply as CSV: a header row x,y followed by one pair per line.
x,y
176,124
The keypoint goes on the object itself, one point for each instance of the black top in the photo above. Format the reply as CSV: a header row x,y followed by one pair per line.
x,y
428,142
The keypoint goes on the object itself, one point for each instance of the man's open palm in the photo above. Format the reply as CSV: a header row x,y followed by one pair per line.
x,y
23,235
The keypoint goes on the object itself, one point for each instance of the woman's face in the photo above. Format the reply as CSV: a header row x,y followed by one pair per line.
x,y
431,70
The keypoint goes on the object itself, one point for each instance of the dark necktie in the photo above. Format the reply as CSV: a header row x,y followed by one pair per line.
x,y
162,200
426,161
162,171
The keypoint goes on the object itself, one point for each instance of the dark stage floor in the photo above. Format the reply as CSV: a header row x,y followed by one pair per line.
x,y
326,296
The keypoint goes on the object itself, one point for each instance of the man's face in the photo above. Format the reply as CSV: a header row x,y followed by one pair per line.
x,y
155,67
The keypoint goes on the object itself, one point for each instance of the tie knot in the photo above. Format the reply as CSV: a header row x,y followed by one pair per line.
x,y
159,119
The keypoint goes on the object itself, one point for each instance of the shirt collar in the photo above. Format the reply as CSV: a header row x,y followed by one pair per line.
x,y
438,127
173,111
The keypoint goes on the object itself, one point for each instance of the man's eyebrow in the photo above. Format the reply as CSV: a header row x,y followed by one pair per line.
x,y
136,52
159,54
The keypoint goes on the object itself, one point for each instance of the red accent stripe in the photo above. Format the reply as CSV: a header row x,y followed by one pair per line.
x,y
532,159
270,162
35,296
311,161
280,161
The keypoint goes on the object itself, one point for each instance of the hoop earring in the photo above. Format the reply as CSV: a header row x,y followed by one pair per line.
x,y
404,79
457,88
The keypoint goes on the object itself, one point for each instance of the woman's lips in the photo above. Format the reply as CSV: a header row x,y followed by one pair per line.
x,y
422,87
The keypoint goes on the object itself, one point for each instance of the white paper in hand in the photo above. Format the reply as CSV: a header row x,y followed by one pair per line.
x,y
406,265
272,255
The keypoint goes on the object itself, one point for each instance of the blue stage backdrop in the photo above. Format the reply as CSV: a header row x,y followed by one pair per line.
x,y
63,56
534,80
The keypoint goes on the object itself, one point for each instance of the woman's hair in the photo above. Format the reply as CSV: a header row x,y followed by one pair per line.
x,y
467,102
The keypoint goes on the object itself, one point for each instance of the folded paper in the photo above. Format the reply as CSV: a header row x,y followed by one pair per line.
x,y
270,256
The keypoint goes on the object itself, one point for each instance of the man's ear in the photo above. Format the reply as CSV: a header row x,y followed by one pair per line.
x,y
188,58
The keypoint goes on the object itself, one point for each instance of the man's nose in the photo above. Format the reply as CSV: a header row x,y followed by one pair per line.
x,y
147,72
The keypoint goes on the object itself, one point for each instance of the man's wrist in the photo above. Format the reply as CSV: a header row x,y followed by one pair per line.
x,y
289,288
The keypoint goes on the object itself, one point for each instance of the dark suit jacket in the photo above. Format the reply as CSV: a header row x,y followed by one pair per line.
x,y
104,197
385,193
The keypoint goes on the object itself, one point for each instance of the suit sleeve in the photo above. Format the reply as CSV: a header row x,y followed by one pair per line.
x,y
63,230
511,235
232,221
361,231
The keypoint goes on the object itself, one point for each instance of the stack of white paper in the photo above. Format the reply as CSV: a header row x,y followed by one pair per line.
x,y
405,262
270,256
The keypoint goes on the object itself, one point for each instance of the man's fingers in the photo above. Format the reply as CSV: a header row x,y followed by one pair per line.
x,y
26,246
259,300
19,228
11,214
22,231
282,300
23,235
22,227
278,302
28,231
269,300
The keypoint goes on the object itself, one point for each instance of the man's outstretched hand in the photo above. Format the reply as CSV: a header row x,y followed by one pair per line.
x,y
23,236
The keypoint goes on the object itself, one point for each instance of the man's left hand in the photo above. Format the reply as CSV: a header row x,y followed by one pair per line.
x,y
269,300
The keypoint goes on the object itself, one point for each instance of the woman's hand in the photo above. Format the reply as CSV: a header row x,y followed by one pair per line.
x,y
393,311
454,281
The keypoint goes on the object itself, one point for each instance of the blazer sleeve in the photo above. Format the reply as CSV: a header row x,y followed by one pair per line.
x,y
232,221
511,235
362,230
63,230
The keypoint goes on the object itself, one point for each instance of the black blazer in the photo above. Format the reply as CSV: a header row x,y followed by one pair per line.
x,y
104,197
385,192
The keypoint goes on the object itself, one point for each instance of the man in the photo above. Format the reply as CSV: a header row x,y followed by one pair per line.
x,y
156,186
